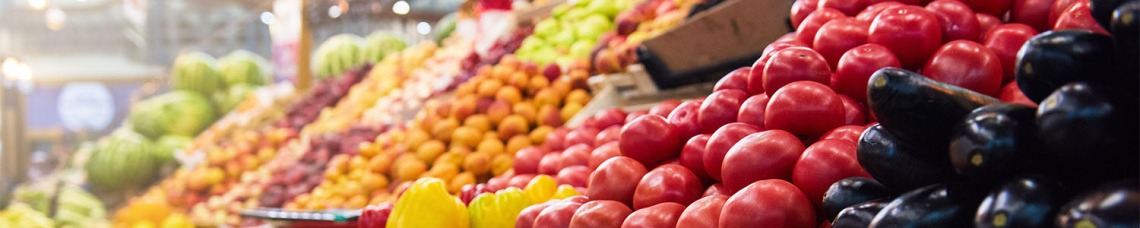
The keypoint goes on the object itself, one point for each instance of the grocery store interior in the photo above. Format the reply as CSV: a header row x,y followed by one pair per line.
x,y
569,113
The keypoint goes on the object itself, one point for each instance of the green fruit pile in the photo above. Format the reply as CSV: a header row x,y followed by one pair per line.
x,y
123,160
572,32
244,67
196,72
379,44
338,54
176,113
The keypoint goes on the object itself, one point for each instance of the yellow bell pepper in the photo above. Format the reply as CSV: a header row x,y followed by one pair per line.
x,y
565,191
497,210
427,203
540,189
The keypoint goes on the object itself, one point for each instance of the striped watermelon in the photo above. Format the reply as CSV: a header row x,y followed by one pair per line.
x,y
122,160
195,71
380,44
337,55
177,112
244,67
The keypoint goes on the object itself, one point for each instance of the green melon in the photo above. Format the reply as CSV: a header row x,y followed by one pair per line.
x,y
244,67
228,100
380,44
122,160
196,72
338,54
177,113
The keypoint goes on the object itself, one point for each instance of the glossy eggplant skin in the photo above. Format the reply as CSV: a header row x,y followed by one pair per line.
x,y
851,191
918,110
895,164
1020,202
1055,58
859,215
930,206
994,142
1125,27
1091,133
1110,205
1102,11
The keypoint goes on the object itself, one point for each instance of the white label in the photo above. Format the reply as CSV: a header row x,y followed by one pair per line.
x,y
85,106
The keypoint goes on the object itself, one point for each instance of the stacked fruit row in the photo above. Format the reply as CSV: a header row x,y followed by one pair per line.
x,y
270,185
571,33
767,148
461,140
617,49
439,74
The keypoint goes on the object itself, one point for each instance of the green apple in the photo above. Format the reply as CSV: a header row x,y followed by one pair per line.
x,y
581,48
563,39
547,28
532,42
608,8
560,11
564,60
593,26
544,55
576,14
583,3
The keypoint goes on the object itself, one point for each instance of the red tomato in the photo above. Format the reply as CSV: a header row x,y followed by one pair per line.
x,y
719,108
703,213
764,155
910,32
692,155
600,213
801,9
768,203
649,139
667,183
804,108
824,163
756,76
840,35
991,7
988,22
752,110
609,118
868,14
966,64
737,79
958,21
1059,7
795,64
613,180
610,134
1079,16
719,144
663,108
557,215
634,115
527,216
601,154
1005,40
849,7
684,118
660,215
807,30
856,67
1011,93
849,133
715,189
854,111
1034,13
787,37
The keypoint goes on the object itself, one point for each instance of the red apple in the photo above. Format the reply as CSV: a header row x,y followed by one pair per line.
x,y
764,155
550,163
600,213
663,108
660,215
703,213
719,144
849,133
737,79
667,183
528,216
768,203
795,64
577,176
603,153
684,118
854,111
752,110
715,189
527,159
804,108
576,155
720,108
613,180
557,215
824,163
693,153
610,134
608,118
649,139
582,135
552,71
